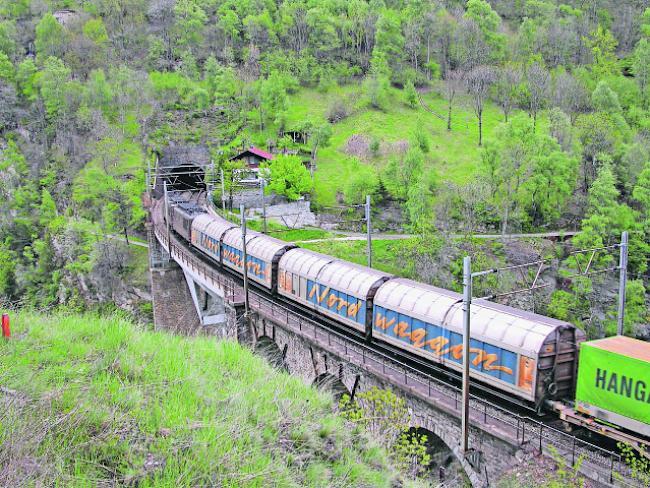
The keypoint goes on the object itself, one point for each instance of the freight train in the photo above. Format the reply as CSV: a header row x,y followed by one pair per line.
x,y
521,355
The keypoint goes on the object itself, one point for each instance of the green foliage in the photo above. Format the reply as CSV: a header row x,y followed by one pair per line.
x,y
604,99
636,461
8,37
421,140
636,310
401,173
488,21
289,177
49,37
376,88
7,72
603,47
641,69
411,454
53,84
26,78
362,180
410,95
127,397
531,177
95,30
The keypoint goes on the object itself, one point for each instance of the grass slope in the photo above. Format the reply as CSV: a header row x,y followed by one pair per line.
x,y
100,402
454,155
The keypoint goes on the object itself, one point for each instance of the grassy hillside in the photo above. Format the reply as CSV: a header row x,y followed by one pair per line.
x,y
454,155
88,401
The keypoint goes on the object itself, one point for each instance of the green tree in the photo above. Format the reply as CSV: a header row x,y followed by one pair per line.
x,y
7,71
389,39
53,80
8,37
488,21
604,98
401,173
50,37
641,69
190,23
26,78
531,177
362,180
410,95
319,136
603,48
289,177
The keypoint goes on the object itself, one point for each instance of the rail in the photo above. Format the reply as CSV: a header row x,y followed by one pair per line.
x,y
521,429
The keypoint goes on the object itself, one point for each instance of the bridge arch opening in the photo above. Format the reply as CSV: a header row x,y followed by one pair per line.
x,y
331,383
441,466
269,350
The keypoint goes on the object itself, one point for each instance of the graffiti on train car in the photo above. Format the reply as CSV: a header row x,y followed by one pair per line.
x,y
336,301
444,343
255,266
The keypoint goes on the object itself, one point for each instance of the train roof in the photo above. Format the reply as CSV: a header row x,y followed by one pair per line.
x,y
497,324
350,278
265,247
189,209
304,262
212,226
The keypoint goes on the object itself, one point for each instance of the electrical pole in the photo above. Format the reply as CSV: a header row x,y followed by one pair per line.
x,y
148,179
166,194
210,180
223,193
467,300
262,186
368,231
622,265
245,257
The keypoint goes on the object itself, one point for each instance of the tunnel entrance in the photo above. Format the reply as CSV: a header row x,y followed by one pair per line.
x,y
183,168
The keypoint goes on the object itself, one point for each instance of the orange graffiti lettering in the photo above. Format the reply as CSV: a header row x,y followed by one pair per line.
x,y
381,323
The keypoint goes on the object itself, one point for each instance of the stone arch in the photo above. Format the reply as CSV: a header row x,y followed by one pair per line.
x,y
444,465
471,463
327,381
269,349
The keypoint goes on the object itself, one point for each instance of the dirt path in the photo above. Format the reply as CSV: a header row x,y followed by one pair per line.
x,y
354,236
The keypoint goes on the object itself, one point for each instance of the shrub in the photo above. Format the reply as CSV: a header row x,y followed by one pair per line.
x,y
337,111
363,181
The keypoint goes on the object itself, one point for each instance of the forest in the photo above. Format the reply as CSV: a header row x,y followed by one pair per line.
x,y
458,117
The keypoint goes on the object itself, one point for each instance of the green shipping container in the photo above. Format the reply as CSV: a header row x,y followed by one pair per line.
x,y
614,382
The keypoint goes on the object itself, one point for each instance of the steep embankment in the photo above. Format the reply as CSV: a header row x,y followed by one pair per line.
x,y
87,400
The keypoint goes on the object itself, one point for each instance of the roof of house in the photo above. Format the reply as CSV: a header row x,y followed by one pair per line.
x,y
256,152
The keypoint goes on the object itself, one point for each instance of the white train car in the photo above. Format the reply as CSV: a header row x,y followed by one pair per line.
x,y
263,254
527,355
207,231
338,289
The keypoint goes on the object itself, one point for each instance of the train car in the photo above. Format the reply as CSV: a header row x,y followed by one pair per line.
x,y
614,382
182,215
207,231
263,255
527,355
341,290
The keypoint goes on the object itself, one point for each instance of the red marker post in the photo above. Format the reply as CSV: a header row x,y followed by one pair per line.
x,y
6,331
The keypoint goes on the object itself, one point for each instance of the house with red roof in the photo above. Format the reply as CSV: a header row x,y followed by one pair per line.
x,y
253,157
